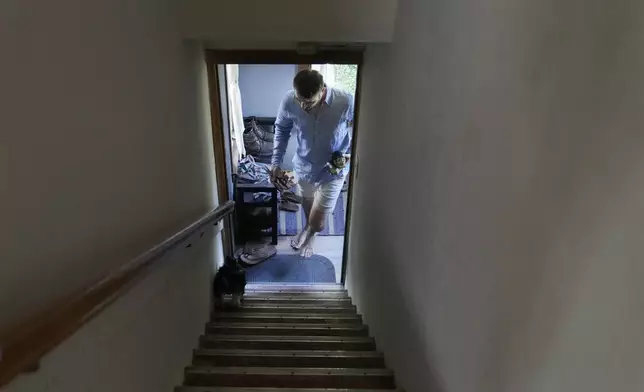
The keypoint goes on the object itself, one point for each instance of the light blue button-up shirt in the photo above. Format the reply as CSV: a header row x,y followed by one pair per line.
x,y
319,133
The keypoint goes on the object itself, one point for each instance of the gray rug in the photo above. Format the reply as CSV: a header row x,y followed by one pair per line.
x,y
292,268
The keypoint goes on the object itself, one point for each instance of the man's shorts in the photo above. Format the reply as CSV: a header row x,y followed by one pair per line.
x,y
324,195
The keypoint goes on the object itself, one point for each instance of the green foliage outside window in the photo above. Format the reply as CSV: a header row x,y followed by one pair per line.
x,y
346,77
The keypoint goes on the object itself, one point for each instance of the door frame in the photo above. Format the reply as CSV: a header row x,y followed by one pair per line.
x,y
353,55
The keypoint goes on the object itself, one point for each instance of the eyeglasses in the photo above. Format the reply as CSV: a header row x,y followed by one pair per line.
x,y
308,104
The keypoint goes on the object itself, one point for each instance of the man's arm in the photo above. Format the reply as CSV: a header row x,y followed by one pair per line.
x,y
283,127
345,147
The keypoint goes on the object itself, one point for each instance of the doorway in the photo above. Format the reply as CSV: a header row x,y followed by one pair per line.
x,y
246,89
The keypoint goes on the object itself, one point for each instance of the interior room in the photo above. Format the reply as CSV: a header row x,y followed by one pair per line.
x,y
267,220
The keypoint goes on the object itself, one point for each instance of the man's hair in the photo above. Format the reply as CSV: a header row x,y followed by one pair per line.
x,y
307,83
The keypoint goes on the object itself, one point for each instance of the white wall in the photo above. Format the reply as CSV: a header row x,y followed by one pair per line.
x,y
143,341
509,256
103,152
276,21
263,87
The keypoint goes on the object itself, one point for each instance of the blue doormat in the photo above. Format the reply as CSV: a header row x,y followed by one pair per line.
x,y
292,268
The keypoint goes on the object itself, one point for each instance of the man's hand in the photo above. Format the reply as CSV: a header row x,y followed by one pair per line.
x,y
276,172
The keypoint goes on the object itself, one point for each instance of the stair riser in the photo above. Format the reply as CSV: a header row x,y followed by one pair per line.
x,y
225,330
296,309
294,319
291,381
285,345
286,361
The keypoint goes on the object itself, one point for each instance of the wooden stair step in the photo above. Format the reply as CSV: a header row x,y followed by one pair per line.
x,y
261,342
291,318
290,377
264,389
315,309
293,358
285,288
298,295
290,300
287,329
297,292
289,338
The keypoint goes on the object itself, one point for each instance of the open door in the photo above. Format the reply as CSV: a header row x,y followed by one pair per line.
x,y
278,67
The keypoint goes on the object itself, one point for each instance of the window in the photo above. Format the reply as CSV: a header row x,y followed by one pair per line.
x,y
341,76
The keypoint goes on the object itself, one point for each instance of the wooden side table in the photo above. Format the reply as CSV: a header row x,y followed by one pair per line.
x,y
242,204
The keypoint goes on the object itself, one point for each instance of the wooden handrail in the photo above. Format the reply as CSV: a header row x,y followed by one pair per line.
x,y
22,347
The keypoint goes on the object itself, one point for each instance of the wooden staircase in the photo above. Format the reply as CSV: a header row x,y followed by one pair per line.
x,y
288,338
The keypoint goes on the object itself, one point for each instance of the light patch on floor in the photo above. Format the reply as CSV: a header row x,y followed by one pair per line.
x,y
330,247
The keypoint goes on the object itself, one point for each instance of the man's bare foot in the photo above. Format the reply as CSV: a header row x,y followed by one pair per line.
x,y
297,241
307,248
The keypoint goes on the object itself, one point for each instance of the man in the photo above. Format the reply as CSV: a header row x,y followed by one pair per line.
x,y
322,119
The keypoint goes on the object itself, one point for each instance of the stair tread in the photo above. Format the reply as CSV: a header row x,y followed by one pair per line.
x,y
287,326
287,329
264,389
292,318
298,294
295,306
296,290
294,287
297,309
251,315
288,371
291,353
294,300
216,337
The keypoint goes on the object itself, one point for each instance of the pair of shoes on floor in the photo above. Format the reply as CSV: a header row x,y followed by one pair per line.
x,y
257,142
255,253
292,197
288,206
258,130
